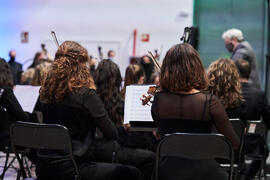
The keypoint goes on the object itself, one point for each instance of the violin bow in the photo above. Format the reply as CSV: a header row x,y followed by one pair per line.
x,y
55,38
154,60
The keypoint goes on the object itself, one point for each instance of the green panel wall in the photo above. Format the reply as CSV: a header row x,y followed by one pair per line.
x,y
213,17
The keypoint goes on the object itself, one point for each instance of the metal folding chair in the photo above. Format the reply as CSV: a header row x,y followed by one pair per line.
x,y
41,136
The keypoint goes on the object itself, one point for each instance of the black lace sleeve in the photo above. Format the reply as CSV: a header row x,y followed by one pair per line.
x,y
221,121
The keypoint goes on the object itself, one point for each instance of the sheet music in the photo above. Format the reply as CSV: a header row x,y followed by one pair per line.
x,y
27,96
134,110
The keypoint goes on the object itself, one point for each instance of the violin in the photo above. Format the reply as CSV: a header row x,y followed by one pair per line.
x,y
152,89
151,92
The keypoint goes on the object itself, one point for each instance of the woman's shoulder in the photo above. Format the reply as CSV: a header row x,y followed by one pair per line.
x,y
87,91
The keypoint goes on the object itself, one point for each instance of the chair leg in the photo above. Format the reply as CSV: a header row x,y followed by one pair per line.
x,y
5,166
264,169
21,171
27,166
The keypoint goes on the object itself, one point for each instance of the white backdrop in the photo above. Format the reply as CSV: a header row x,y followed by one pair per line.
x,y
109,23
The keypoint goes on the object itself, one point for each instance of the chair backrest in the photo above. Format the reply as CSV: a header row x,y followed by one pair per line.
x,y
239,129
41,136
195,146
256,127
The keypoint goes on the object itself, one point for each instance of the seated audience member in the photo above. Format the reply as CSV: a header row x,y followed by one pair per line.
x,y
9,102
182,106
224,82
134,75
148,68
108,81
257,108
68,97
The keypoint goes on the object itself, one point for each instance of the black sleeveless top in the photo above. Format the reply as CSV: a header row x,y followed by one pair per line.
x,y
191,113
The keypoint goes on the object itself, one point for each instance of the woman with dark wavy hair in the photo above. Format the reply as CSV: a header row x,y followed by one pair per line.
x,y
183,106
8,102
108,81
224,82
68,97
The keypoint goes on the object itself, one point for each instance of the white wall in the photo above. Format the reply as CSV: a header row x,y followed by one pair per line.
x,y
109,23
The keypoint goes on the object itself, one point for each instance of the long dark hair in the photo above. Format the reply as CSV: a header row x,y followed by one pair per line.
x,y
6,79
182,70
108,82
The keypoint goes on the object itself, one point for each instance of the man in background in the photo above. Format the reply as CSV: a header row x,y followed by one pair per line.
x,y
16,68
241,49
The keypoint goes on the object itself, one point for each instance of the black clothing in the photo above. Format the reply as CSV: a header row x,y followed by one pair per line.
x,y
148,70
256,104
257,108
191,113
82,113
14,112
16,69
142,140
237,112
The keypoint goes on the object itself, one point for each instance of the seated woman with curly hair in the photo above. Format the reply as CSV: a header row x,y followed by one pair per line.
x,y
224,82
68,97
183,106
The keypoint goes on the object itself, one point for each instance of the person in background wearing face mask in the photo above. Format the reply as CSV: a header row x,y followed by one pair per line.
x,y
111,55
241,49
148,68
15,67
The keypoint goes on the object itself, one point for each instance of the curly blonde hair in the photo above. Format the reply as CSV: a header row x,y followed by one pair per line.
x,y
224,82
68,73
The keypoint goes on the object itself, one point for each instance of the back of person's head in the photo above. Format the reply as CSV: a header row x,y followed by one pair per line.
x,y
233,33
134,73
108,75
108,82
69,73
244,68
6,79
224,82
182,70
